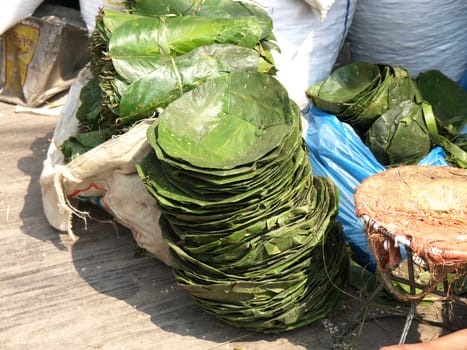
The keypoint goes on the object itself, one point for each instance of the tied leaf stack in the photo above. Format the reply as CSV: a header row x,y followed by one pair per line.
x,y
147,57
252,232
399,118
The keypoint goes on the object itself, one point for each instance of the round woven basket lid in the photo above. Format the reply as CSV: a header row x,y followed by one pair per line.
x,y
425,205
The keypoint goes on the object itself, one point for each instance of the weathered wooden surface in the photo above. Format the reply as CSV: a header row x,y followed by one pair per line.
x,y
96,294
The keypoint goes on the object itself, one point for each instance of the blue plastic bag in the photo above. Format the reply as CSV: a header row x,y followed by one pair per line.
x,y
337,152
463,81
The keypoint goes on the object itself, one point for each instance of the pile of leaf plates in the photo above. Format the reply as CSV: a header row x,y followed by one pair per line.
x,y
392,112
147,57
360,92
252,232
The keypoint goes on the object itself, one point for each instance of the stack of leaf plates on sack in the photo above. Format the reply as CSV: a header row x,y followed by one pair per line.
x,y
252,232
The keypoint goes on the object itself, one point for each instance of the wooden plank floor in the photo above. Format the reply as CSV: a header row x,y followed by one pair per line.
x,y
95,293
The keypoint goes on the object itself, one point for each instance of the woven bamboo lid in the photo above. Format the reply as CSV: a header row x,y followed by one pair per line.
x,y
423,205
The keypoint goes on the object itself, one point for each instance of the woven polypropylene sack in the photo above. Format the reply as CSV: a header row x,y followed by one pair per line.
x,y
13,11
322,6
416,34
309,44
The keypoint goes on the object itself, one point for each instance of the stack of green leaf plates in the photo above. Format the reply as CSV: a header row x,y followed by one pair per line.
x,y
252,232
360,92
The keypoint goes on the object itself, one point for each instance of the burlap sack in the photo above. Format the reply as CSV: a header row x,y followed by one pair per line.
x,y
105,175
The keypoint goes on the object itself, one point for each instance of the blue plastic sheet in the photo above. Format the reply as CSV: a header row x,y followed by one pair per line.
x,y
463,84
337,152
463,81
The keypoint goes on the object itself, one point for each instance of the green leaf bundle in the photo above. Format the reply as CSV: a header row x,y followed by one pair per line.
x,y
400,135
206,8
142,61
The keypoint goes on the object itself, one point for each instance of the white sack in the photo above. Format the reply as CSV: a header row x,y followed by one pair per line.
x,y
14,11
309,46
90,9
416,34
322,6
105,175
